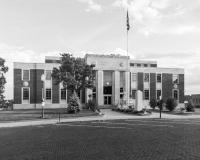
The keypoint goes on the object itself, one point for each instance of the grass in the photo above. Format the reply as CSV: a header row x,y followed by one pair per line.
x,y
36,114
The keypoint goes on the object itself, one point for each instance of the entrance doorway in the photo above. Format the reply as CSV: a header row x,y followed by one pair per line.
x,y
107,100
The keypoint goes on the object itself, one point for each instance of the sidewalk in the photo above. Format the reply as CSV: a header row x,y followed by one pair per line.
x,y
109,115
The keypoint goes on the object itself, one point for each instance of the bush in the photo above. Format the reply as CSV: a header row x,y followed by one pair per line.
x,y
190,107
74,104
171,104
160,104
153,103
92,105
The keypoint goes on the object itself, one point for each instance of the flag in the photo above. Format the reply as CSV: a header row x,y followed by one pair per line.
x,y
127,22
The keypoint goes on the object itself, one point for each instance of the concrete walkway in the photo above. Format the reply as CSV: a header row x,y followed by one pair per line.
x,y
109,115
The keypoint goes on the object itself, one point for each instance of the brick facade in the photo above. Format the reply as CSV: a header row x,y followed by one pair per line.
x,y
140,81
152,86
55,92
167,85
181,88
18,84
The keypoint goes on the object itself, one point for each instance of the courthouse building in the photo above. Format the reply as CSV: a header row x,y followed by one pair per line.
x,y
117,77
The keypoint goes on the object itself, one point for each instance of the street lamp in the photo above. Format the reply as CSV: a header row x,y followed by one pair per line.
x,y
1,75
43,102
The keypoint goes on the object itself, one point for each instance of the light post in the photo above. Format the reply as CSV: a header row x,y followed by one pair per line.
x,y
1,75
43,102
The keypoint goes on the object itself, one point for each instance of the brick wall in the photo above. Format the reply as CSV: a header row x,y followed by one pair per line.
x,y
140,81
32,85
18,84
69,93
152,86
181,88
167,85
39,85
55,92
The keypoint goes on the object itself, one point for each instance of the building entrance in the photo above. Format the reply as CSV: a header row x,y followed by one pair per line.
x,y
107,100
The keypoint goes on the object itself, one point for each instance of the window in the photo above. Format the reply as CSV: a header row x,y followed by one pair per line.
x,y
48,74
48,93
63,93
121,90
159,78
107,89
146,77
133,94
25,93
25,74
146,94
138,65
175,94
134,77
175,78
131,64
145,65
158,94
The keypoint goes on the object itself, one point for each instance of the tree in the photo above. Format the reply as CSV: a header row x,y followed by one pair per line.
x,y
171,104
73,72
3,69
153,103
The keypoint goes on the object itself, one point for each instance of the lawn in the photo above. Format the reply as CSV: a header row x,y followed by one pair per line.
x,y
20,115
135,139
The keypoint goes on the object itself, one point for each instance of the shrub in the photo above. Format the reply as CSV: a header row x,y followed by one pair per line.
x,y
74,104
190,107
160,104
153,103
171,104
92,105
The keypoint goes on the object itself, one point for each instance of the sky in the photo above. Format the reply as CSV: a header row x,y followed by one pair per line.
x,y
166,31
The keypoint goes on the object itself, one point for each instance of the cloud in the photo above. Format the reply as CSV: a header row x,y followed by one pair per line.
x,y
91,6
12,54
189,61
162,16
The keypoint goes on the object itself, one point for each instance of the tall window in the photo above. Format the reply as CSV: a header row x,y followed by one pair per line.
x,y
133,94
138,65
26,75
146,77
175,94
146,94
48,93
158,94
134,77
63,93
48,74
175,78
159,78
25,93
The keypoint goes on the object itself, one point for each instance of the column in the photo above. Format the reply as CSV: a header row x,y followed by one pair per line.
x,y
115,87
126,87
87,93
99,91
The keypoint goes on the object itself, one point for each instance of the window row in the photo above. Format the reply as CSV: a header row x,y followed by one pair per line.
x,y
158,78
26,75
26,94
158,94
142,65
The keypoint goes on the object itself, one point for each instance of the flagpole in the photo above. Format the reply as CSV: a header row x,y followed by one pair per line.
x,y
127,61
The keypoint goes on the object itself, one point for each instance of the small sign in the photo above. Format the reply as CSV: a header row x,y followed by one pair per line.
x,y
43,104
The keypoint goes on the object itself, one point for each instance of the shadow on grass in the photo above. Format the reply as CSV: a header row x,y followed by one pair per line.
x,y
21,115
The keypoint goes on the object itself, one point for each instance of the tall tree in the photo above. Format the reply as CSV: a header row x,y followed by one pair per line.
x,y
3,69
74,73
